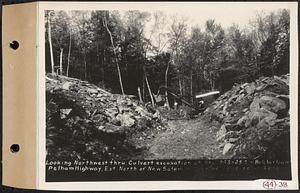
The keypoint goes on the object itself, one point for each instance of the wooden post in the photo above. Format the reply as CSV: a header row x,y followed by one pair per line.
x,y
149,89
140,95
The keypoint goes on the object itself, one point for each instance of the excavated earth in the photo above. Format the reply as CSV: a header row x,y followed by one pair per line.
x,y
86,122
254,119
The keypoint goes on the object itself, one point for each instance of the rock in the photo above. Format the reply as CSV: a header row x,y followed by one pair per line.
x,y
245,110
92,91
227,147
266,122
241,122
258,115
112,129
115,121
111,112
250,88
64,113
221,132
255,104
126,120
233,127
261,88
157,115
92,119
99,118
273,104
255,117
66,85
142,112
285,98
240,97
123,108
232,134
233,140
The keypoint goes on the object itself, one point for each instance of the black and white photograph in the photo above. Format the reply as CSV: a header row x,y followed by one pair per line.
x,y
171,94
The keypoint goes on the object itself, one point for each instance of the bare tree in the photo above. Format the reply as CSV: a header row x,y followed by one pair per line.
x,y
177,34
60,61
69,54
50,42
116,57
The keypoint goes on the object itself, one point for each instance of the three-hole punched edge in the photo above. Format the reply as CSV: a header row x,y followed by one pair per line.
x,y
14,148
14,45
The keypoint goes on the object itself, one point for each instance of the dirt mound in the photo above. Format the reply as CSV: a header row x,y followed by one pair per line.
x,y
254,119
86,122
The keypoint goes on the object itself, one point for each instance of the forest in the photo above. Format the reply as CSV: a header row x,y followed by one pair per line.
x,y
111,78
138,52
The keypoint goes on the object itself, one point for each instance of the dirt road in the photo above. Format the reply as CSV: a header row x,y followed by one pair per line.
x,y
186,139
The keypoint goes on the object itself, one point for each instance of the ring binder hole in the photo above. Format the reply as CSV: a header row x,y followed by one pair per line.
x,y
14,44
14,148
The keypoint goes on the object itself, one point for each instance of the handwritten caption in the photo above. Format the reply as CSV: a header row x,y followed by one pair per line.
x,y
160,166
120,166
274,184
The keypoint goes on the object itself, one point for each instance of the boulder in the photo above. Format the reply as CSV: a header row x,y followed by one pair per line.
x,y
241,122
66,85
233,140
111,112
255,104
258,115
221,132
112,129
64,113
266,122
250,89
227,147
92,91
272,104
126,119
143,112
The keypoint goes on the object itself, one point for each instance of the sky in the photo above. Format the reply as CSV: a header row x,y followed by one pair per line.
x,y
224,13
198,13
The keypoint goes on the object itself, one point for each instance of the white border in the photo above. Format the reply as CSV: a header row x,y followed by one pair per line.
x,y
161,185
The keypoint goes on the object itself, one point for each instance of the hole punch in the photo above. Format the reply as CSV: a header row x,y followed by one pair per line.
x,y
14,148
14,44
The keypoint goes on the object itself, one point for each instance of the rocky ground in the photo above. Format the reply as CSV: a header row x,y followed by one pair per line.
x,y
85,122
254,118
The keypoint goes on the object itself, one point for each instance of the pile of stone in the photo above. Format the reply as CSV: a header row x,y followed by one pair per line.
x,y
254,119
87,122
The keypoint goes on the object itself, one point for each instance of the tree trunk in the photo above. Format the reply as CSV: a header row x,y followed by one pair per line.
x,y
116,58
103,66
140,95
191,91
85,66
149,89
60,61
143,87
69,54
180,86
166,85
50,43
